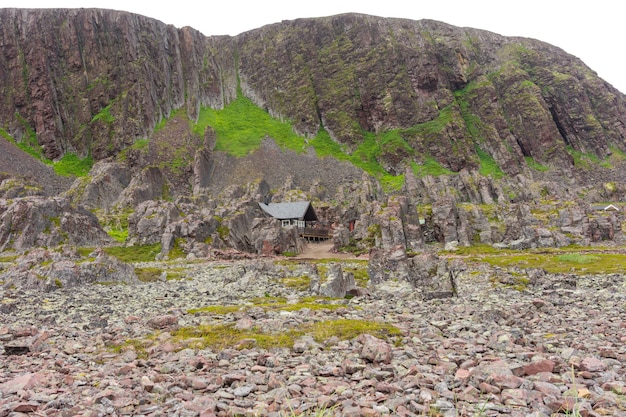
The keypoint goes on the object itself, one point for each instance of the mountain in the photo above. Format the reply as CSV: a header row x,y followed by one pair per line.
x,y
90,81
344,110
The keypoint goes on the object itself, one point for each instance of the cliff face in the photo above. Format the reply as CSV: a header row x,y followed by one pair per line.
x,y
93,81
90,80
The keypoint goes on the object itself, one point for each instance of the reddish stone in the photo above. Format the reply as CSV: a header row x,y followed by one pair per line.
x,y
488,389
592,365
28,407
506,381
535,367
162,322
462,374
19,383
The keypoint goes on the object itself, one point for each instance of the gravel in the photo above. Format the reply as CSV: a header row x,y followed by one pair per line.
x,y
546,350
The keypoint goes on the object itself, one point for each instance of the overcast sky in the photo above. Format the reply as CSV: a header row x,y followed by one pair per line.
x,y
594,31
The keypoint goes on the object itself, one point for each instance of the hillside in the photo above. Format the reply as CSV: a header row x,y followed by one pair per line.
x,y
403,133
401,93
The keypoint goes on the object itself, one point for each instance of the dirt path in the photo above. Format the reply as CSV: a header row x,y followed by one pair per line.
x,y
322,250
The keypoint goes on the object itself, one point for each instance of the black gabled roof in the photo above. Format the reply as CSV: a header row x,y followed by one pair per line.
x,y
299,210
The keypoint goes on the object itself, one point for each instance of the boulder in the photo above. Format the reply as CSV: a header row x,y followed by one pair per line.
x,y
150,220
432,276
47,222
337,283
48,270
102,187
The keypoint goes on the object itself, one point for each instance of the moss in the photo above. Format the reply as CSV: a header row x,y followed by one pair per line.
x,y
136,345
535,165
218,337
143,253
301,283
148,274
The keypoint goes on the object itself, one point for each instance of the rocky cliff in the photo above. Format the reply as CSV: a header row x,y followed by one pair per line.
x,y
484,133
92,81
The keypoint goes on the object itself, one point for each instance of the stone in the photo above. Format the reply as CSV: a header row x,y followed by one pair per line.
x,y
374,349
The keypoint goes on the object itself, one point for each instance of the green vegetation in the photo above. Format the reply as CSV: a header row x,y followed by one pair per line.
x,y
104,115
587,160
565,260
218,337
118,235
241,126
136,345
301,283
488,165
68,165
274,304
535,165
152,274
472,122
430,166
145,253
72,165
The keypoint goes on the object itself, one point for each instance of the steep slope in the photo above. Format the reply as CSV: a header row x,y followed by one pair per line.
x,y
92,82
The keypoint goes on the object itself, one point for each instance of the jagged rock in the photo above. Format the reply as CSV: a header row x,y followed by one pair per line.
x,y
149,184
46,222
445,220
147,224
270,238
337,283
202,169
18,186
102,187
49,270
432,276
196,228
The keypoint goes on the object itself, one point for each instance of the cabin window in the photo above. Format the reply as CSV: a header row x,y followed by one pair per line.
x,y
286,223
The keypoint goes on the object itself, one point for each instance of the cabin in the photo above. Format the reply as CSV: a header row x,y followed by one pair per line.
x,y
300,214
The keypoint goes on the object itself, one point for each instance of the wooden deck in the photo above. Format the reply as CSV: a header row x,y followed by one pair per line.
x,y
315,233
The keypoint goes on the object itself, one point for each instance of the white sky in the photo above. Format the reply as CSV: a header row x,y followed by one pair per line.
x,y
592,31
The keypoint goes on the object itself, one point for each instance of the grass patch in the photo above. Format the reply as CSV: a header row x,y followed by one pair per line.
x,y
118,235
586,160
241,126
148,274
72,165
536,165
488,165
555,263
430,166
144,253
301,283
218,337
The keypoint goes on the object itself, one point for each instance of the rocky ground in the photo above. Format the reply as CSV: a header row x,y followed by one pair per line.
x,y
553,348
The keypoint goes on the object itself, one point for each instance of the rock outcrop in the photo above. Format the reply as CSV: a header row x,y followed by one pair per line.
x,y
31,222
50,270
92,81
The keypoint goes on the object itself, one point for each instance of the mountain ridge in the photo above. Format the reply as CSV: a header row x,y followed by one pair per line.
x,y
94,81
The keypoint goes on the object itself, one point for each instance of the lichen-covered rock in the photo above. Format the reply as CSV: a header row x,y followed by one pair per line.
x,y
102,187
47,222
49,270
337,283
149,221
431,276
